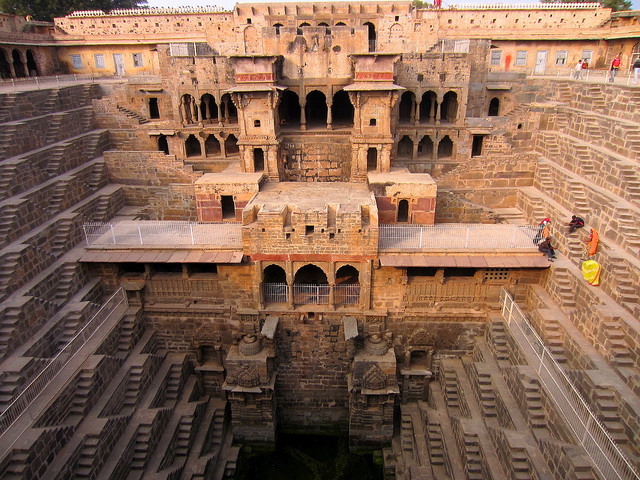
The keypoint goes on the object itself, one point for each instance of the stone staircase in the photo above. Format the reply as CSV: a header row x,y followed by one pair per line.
x,y
133,115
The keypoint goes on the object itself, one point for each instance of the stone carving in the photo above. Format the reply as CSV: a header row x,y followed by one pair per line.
x,y
250,345
374,379
375,345
248,376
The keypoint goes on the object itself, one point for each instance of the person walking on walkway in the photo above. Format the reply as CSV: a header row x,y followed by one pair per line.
x,y
615,66
636,70
577,71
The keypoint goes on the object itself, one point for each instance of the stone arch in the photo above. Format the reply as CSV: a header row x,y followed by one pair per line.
x,y
211,146
407,107
425,147
18,64
277,26
316,108
192,146
494,107
208,107
32,66
405,147
341,24
428,106
230,112
348,274
445,147
395,32
327,29
163,144
347,285
5,68
289,108
449,109
310,274
251,40
274,274
231,145
341,109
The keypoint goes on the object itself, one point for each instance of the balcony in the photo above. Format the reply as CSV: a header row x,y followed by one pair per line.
x,y
304,294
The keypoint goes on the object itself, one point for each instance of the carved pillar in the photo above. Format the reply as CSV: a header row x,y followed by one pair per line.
x,y
207,109
372,391
414,151
329,117
434,110
303,115
438,113
412,115
194,110
223,146
417,122
225,101
220,112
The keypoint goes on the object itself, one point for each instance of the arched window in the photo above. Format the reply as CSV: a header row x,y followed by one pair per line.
x,y
230,111
277,26
258,160
428,106
274,284
32,67
310,285
445,147
403,211
188,109
342,109
372,159
371,35
18,64
405,147
316,108
163,145
347,288
211,146
289,108
208,107
407,107
192,146
494,107
341,24
449,111
327,30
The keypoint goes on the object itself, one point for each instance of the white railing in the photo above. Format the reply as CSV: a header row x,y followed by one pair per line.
x,y
346,294
48,374
310,294
37,83
587,429
456,236
163,233
624,76
275,292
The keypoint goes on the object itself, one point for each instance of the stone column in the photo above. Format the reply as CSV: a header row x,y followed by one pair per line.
x,y
220,112
207,109
417,122
303,115
194,110
414,151
436,117
329,117
226,109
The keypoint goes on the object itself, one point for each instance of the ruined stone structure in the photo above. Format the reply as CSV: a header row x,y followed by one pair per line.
x,y
318,218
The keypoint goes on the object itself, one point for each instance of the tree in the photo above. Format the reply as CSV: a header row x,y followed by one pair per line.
x,y
49,9
614,5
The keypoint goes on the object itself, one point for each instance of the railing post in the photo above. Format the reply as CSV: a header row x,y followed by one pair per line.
x,y
420,242
191,232
513,237
113,235
466,242
140,235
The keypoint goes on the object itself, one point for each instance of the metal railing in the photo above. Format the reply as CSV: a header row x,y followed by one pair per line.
x,y
587,429
163,233
48,373
589,75
37,83
275,292
310,294
456,236
346,294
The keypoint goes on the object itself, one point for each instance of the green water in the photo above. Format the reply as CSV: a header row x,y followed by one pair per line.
x,y
306,457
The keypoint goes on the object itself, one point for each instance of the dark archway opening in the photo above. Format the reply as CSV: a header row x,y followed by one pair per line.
x,y
405,147
445,147
425,147
208,107
372,159
32,66
347,289
154,111
18,65
275,274
228,207
274,284
211,146
316,109
476,146
277,26
229,109
163,145
403,211
494,107
427,106
310,285
407,104
231,145
289,108
371,34
327,30
342,109
5,68
310,275
192,146
450,106
258,160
